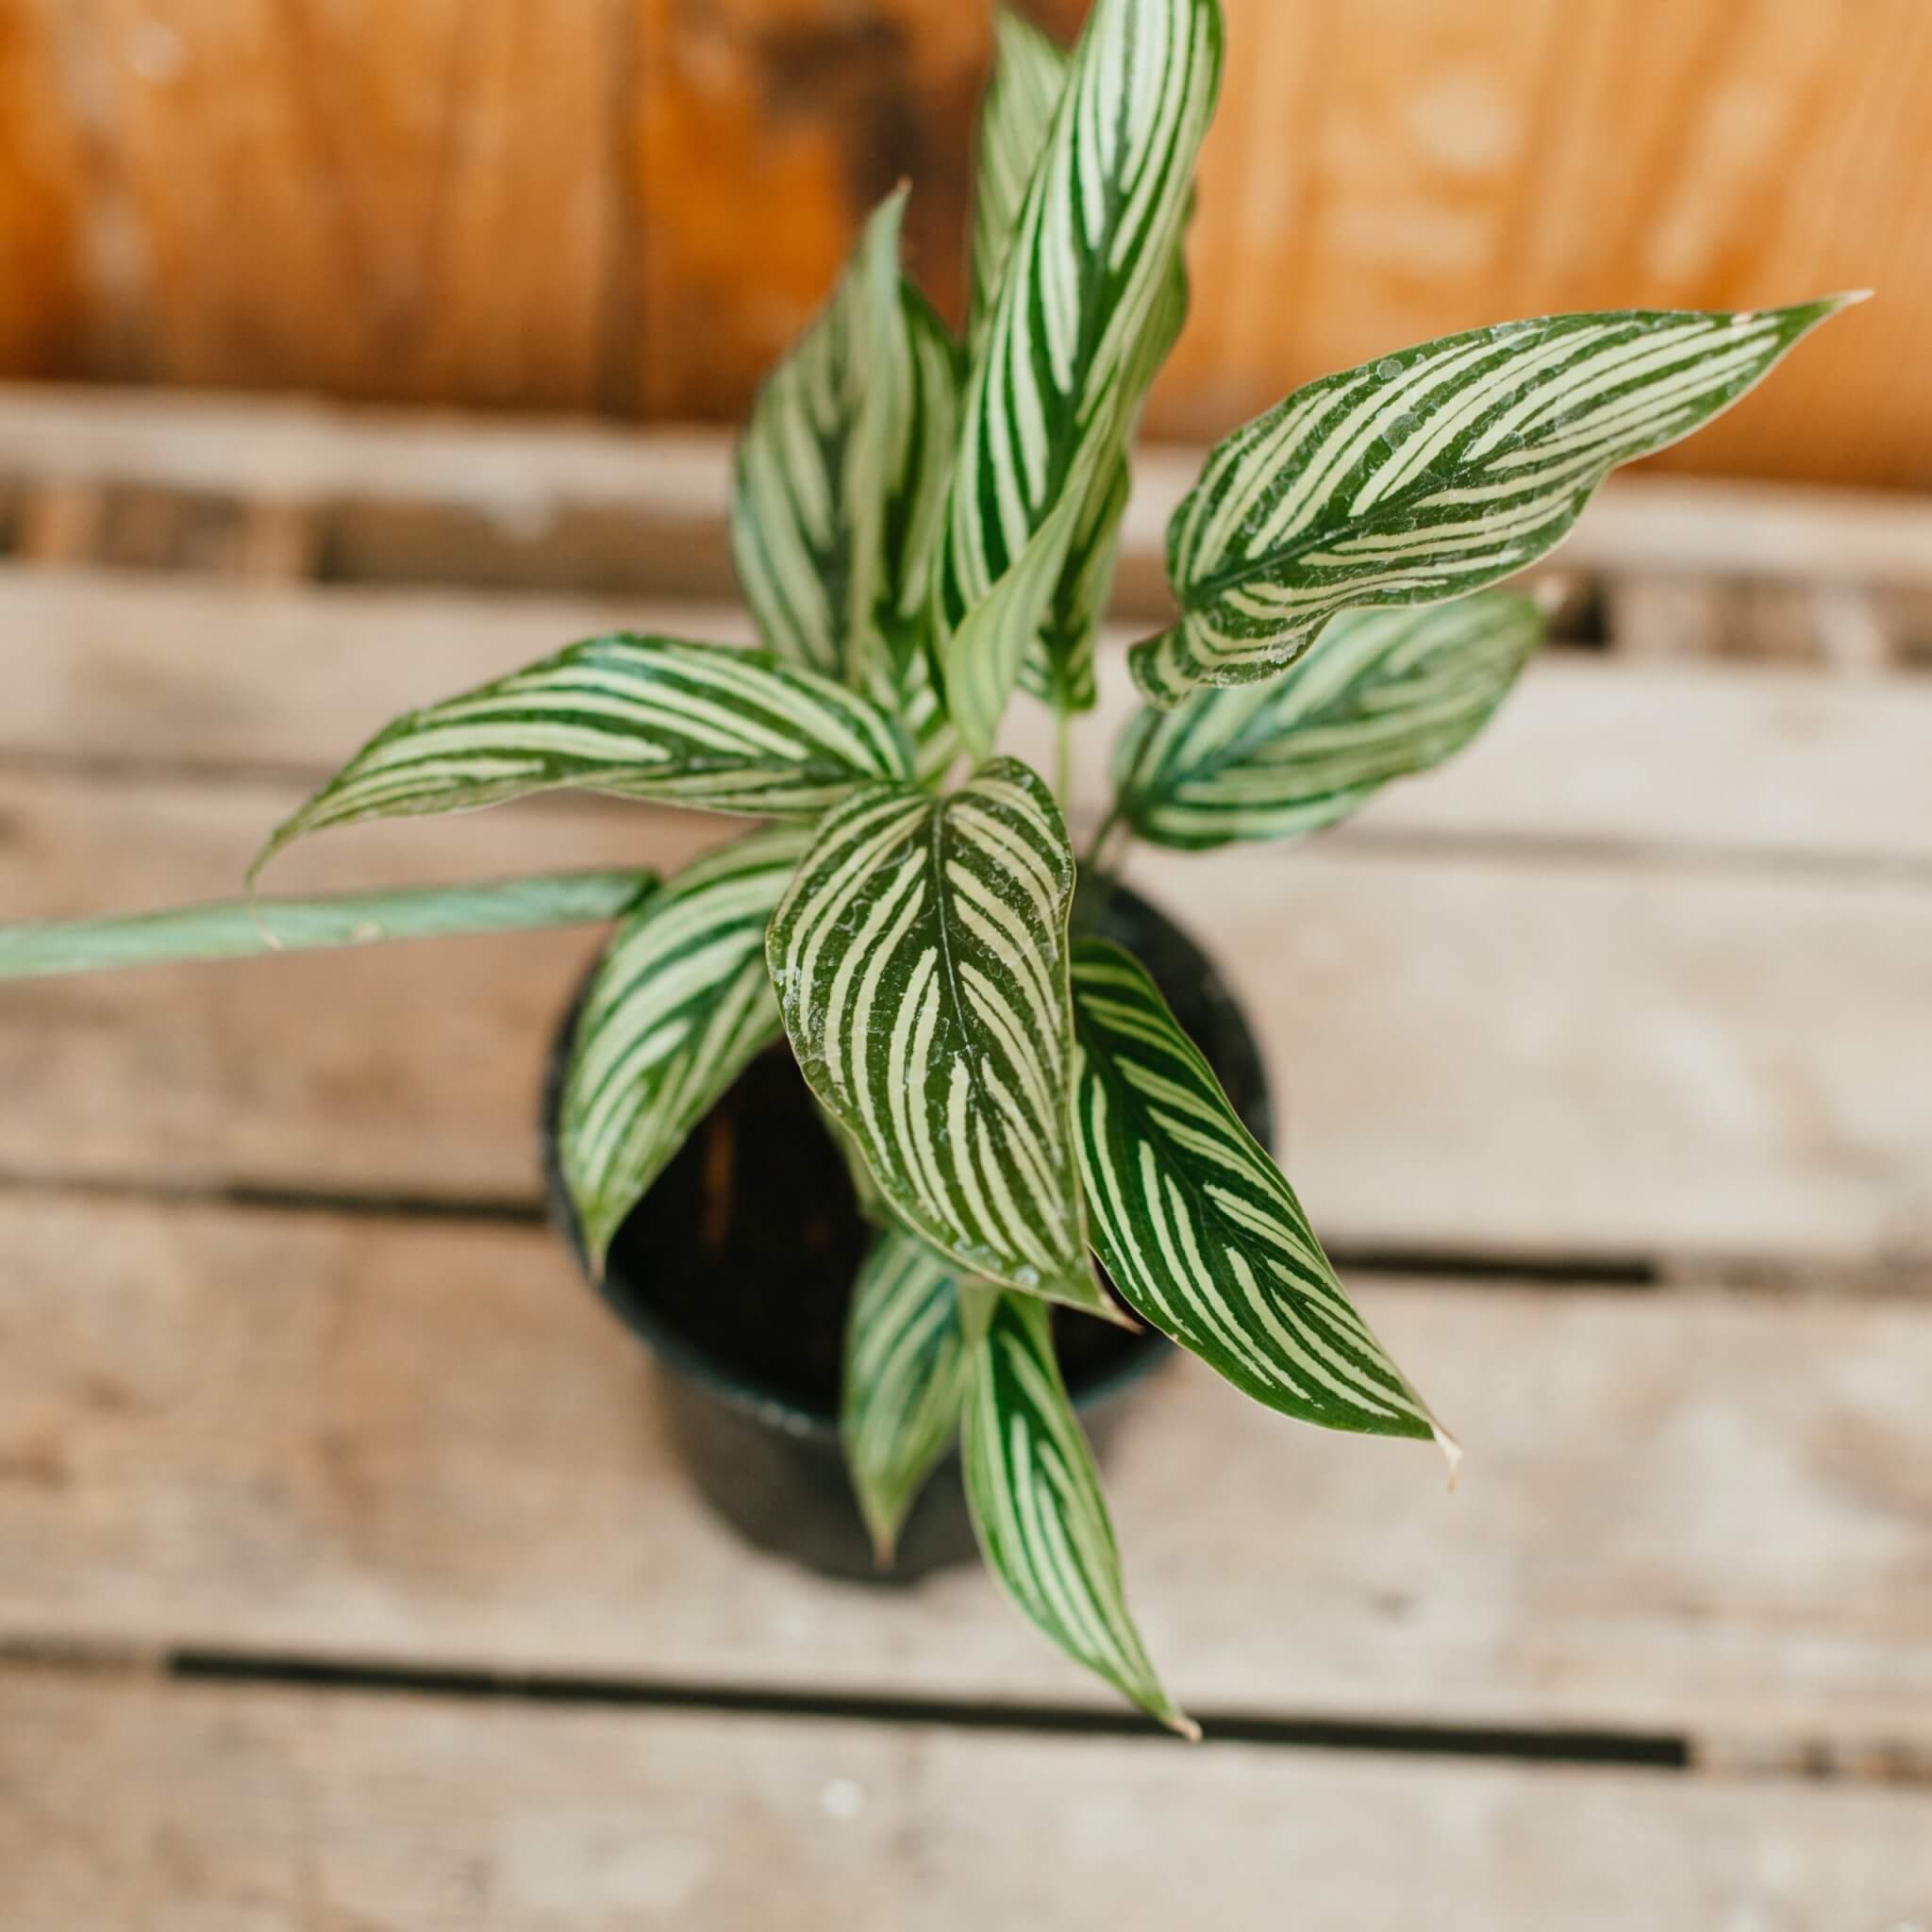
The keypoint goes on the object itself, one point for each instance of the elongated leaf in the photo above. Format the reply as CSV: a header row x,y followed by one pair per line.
x,y
1036,1506
842,481
1029,76
1029,71
697,725
677,1009
905,1379
1198,1229
1431,473
1052,392
921,962
246,928
1385,693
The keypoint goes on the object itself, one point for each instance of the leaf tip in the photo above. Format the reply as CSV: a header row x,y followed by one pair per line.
x,y
1452,1452
1182,1725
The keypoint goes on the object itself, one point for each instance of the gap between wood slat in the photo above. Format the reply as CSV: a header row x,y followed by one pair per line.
x,y
1811,1761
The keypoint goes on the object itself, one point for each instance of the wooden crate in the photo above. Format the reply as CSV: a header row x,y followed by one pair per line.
x,y
345,1579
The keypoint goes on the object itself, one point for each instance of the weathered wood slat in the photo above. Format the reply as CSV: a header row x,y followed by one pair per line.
x,y
387,1440
104,668
1495,1051
194,1807
527,476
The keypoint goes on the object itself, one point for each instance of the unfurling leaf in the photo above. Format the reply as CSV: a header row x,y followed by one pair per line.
x,y
697,725
678,1007
1054,385
1036,1506
905,1377
841,488
921,962
1385,693
1198,1229
1431,473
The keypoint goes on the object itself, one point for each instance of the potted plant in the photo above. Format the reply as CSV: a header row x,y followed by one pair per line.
x,y
1010,1063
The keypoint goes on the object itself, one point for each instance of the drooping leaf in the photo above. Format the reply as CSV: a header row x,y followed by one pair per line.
x,y
1052,394
905,1379
1431,473
1199,1230
841,487
246,928
1036,1506
697,725
1384,693
921,962
679,1006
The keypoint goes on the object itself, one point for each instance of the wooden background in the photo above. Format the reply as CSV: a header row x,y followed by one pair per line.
x,y
629,205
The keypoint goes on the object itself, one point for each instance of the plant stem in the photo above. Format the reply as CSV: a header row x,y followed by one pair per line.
x,y
1094,858
1063,756
243,929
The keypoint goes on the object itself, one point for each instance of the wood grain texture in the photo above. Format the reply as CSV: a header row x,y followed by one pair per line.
x,y
244,192
1680,756
412,495
1496,1051
198,1807
417,1442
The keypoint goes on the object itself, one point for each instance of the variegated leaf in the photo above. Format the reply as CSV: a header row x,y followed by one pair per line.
x,y
1431,473
841,480
921,962
1036,1506
1198,1229
905,1379
1029,70
1053,391
697,725
1385,693
678,1007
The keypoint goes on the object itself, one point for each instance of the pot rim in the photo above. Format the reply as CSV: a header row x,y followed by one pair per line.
x,y
739,1387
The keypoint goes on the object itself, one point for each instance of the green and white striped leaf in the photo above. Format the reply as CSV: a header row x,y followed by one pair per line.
x,y
1052,392
841,480
1200,1231
905,1379
680,1005
1426,475
1029,71
1385,693
1029,75
921,962
1036,1506
697,725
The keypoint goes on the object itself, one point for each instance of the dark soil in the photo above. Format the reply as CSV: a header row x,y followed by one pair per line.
x,y
746,1247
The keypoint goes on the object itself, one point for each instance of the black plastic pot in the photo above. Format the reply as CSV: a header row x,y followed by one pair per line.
x,y
737,1270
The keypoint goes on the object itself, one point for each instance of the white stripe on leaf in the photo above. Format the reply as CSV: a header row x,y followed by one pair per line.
x,y
1035,1502
1084,308
903,1381
1383,694
698,724
921,962
678,1007
1429,474
1199,1230
841,480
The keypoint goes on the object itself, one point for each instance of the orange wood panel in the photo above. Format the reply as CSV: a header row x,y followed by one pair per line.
x,y
633,204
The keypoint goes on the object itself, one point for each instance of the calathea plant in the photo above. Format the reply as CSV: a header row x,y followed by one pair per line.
x,y
924,526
